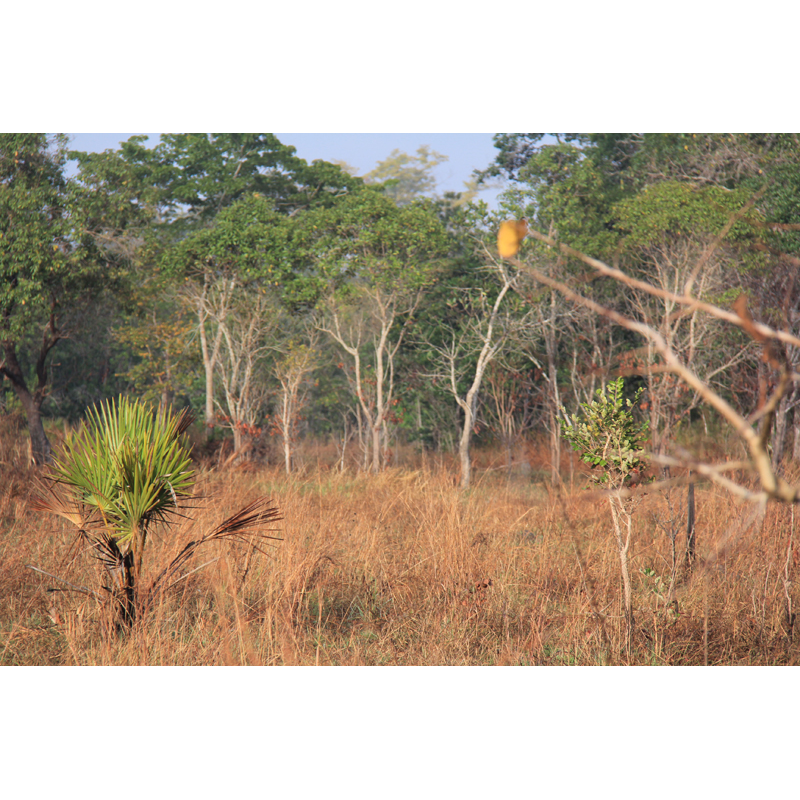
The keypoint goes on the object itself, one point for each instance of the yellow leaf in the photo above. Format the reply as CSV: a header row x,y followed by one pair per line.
x,y
510,237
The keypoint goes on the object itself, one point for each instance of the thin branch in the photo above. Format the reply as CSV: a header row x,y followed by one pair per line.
x,y
692,303
772,484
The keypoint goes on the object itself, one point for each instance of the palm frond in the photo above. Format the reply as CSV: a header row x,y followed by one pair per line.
x,y
242,526
73,586
253,515
51,498
129,463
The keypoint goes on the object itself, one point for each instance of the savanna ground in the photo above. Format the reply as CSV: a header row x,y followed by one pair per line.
x,y
403,568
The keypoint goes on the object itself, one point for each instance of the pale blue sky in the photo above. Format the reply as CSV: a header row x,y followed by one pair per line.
x,y
466,151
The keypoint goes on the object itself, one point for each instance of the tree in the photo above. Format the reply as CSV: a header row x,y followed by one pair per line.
x,y
658,204
378,259
405,178
220,205
249,248
611,442
679,236
58,244
162,363
247,330
511,408
471,348
771,485
197,175
296,358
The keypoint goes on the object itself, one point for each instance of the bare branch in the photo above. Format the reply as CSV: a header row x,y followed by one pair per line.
x,y
692,304
773,485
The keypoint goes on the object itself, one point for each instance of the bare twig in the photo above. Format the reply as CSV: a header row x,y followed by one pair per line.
x,y
772,485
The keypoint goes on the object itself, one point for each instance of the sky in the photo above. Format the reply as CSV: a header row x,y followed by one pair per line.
x,y
466,151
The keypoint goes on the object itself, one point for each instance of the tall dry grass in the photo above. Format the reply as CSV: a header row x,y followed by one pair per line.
x,y
402,568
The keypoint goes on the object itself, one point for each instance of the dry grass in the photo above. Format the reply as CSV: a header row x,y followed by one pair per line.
x,y
402,568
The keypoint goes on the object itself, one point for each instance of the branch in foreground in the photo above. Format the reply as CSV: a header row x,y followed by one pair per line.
x,y
685,299
772,485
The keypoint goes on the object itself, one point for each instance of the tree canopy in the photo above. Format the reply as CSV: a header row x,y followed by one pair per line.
x,y
144,265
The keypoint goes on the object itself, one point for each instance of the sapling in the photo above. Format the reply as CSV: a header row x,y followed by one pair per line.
x,y
611,441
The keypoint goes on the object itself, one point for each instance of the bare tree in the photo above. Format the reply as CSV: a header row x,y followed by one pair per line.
x,y
759,463
511,407
370,329
294,363
210,302
482,337
247,328
691,336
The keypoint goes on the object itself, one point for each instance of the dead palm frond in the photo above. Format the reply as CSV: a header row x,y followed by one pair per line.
x,y
243,526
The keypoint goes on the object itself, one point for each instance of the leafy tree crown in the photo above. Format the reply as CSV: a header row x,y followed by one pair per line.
x,y
606,434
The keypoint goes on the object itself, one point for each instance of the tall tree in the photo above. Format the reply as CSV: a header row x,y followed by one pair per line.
x,y
489,318
405,178
196,175
471,350
58,244
248,247
379,259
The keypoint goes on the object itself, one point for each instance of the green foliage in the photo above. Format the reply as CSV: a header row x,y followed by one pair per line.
x,y
128,463
366,240
64,247
62,240
196,175
161,361
563,189
673,209
515,150
404,177
574,187
607,436
37,239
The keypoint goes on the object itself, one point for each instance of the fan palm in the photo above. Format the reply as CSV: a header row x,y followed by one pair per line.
x,y
126,470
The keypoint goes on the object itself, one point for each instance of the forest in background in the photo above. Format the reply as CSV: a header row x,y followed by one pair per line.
x,y
357,353
285,302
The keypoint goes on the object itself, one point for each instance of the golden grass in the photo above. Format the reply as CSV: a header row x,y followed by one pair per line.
x,y
402,568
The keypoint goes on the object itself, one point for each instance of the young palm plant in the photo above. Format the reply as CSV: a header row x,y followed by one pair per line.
x,y
125,471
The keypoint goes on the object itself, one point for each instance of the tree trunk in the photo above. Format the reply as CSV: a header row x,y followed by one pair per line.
x,y
287,454
210,351
555,446
796,445
238,440
690,524
463,451
554,399
122,572
780,429
621,516
287,427
376,447
41,451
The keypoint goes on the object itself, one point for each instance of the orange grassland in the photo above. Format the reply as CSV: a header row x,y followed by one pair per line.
x,y
403,568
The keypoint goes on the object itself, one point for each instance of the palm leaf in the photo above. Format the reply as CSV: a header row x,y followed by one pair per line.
x,y
242,526
128,463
